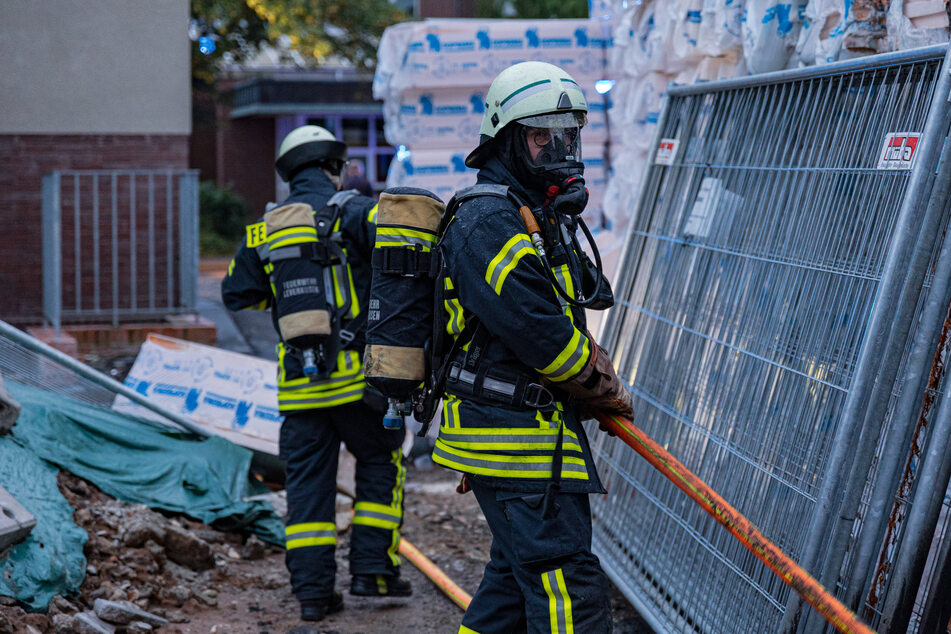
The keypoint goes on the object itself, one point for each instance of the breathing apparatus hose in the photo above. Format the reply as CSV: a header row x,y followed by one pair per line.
x,y
535,233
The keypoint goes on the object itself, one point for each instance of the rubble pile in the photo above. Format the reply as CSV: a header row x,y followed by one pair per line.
x,y
145,570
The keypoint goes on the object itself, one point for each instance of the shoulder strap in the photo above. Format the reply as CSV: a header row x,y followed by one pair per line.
x,y
473,191
341,198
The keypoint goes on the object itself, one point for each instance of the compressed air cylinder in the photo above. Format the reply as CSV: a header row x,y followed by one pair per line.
x,y
299,283
400,317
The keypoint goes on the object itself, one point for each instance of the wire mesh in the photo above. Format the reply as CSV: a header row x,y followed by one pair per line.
x,y
19,364
745,291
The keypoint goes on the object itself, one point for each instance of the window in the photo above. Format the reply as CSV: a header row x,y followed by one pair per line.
x,y
356,132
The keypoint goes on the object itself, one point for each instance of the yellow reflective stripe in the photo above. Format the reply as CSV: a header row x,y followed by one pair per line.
x,y
374,507
261,305
231,267
466,630
291,236
354,305
303,392
505,260
571,360
566,598
379,515
505,466
293,529
393,232
371,216
397,502
376,522
563,275
450,411
310,541
257,234
559,602
310,534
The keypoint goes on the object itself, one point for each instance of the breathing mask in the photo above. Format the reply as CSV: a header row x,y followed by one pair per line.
x,y
550,150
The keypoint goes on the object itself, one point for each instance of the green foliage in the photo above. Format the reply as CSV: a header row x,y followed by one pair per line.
x,y
223,215
532,9
315,28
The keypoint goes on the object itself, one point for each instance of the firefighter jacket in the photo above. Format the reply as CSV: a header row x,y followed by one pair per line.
x,y
492,272
247,286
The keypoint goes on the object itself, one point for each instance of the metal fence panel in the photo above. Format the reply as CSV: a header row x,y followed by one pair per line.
x,y
745,293
119,244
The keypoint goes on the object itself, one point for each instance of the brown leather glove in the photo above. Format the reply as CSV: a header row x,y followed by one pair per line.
x,y
598,388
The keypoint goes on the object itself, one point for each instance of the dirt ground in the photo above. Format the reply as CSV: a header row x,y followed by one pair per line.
x,y
247,590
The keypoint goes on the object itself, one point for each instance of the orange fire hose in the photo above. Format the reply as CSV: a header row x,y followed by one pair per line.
x,y
766,551
459,596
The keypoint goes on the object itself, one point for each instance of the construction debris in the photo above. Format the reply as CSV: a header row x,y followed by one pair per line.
x,y
15,521
9,409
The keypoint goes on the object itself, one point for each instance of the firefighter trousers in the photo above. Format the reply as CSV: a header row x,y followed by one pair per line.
x,y
542,575
310,444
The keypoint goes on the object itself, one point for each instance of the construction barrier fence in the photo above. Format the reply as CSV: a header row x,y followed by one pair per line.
x,y
780,306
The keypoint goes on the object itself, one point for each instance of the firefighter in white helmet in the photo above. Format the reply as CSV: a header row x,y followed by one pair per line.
x,y
523,371
308,261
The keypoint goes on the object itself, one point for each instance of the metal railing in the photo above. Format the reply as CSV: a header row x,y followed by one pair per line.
x,y
771,292
119,244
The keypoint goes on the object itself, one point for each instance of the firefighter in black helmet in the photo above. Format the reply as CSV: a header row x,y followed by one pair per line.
x,y
523,370
315,247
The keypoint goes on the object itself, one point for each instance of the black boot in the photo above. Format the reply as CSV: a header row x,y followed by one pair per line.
x,y
317,609
380,586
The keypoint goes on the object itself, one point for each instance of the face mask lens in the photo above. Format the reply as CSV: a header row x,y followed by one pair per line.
x,y
553,145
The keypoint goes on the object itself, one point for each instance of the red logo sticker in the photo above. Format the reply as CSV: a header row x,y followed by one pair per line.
x,y
666,150
899,151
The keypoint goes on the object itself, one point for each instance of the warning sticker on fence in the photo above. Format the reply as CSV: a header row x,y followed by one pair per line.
x,y
899,151
666,151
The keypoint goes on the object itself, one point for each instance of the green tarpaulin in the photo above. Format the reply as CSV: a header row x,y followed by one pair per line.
x,y
129,458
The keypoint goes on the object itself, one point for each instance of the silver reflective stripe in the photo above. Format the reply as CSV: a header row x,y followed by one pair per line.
x,y
499,387
275,241
309,534
382,236
559,273
509,256
285,253
319,400
570,362
347,361
449,407
557,594
460,436
386,517
528,92
263,251
327,384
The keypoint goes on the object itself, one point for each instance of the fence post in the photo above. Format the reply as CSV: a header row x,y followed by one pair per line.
x,y
847,452
188,239
52,252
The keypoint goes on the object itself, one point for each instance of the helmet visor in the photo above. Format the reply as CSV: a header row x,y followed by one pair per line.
x,y
551,146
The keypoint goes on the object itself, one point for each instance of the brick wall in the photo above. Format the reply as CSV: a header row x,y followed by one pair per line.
x,y
24,159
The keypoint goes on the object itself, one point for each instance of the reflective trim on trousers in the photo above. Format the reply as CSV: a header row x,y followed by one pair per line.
x,y
509,439
503,466
310,534
559,602
378,515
